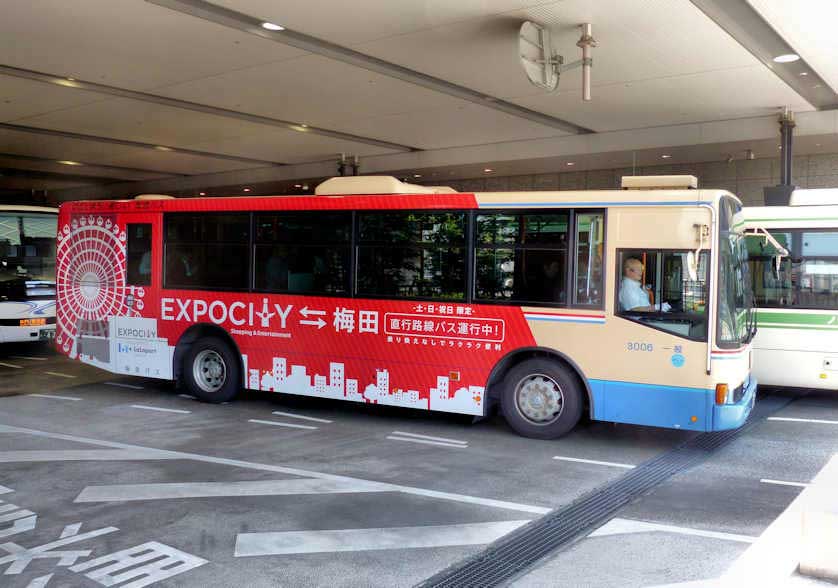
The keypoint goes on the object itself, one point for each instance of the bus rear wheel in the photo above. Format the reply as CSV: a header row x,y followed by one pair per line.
x,y
541,399
211,371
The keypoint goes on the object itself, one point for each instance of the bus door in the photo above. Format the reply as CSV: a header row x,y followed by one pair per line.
x,y
660,346
140,349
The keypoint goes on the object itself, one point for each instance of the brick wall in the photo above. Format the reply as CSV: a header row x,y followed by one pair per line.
x,y
745,178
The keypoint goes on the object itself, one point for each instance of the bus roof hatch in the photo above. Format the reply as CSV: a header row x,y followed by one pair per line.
x,y
348,185
659,182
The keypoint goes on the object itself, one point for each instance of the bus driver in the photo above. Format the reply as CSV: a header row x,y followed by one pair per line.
x,y
632,295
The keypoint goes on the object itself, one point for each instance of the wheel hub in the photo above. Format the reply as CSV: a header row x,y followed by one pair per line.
x,y
539,398
209,370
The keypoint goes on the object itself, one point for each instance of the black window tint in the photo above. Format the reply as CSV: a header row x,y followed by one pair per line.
x,y
522,257
303,252
138,252
303,227
412,254
227,228
207,251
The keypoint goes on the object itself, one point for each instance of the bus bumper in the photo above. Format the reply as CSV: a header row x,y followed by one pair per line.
x,y
733,416
20,334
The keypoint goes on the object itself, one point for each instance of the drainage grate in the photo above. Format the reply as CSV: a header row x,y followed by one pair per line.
x,y
512,555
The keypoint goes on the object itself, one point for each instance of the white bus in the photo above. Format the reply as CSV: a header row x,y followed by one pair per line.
x,y
797,298
27,273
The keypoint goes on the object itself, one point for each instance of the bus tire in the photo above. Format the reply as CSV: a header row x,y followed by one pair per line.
x,y
211,371
541,399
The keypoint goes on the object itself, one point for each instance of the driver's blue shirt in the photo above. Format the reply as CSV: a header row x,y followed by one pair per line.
x,y
632,295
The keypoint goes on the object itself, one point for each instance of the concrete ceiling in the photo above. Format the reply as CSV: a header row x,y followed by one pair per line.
x,y
168,94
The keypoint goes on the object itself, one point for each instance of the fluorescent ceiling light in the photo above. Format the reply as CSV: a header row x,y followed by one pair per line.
x,y
665,156
272,27
571,163
66,162
786,58
488,170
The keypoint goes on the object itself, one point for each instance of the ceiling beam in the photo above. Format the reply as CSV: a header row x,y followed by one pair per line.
x,y
747,27
248,24
29,174
137,144
195,107
88,166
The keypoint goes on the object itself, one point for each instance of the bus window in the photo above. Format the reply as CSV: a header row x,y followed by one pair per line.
x,y
409,254
655,290
303,252
138,252
772,285
588,270
522,257
807,279
207,251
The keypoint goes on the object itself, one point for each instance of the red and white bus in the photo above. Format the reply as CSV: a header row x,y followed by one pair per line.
x,y
386,293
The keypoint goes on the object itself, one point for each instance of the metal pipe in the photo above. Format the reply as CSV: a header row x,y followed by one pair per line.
x,y
586,42
787,125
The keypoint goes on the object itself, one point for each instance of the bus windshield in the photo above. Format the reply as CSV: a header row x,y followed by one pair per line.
x,y
736,310
27,245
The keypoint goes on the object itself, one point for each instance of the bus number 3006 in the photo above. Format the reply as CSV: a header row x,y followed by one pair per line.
x,y
634,346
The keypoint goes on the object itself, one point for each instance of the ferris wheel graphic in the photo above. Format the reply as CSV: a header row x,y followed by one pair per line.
x,y
90,268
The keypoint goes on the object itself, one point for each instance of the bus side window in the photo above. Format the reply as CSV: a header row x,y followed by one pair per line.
x,y
138,252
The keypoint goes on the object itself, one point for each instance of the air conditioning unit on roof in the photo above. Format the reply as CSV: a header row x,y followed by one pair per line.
x,y
347,185
659,182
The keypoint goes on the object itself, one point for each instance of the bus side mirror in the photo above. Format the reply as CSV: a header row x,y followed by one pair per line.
x,y
692,266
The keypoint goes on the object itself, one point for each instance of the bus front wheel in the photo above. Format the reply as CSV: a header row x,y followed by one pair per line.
x,y
541,399
210,370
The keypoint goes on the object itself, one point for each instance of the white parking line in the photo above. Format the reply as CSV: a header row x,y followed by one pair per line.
x,y
54,397
291,425
189,396
121,385
427,442
793,420
784,483
263,467
11,365
81,455
144,407
595,462
28,357
299,416
168,491
289,542
60,375
619,526
443,439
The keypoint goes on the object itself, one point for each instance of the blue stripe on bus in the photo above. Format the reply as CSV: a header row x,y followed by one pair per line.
x,y
589,204
565,320
667,406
